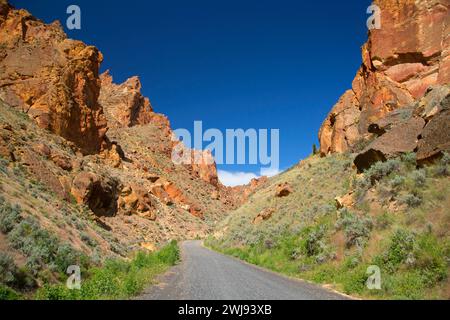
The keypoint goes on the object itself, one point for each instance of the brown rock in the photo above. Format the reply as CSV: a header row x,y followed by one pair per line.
x,y
283,190
346,201
401,61
265,214
124,104
435,137
62,161
402,138
52,78
135,200
42,149
204,166
99,193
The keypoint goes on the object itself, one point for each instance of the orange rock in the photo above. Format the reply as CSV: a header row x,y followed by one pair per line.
x,y
401,61
283,190
52,78
265,214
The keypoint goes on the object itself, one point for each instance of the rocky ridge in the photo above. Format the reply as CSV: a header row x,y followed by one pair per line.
x,y
406,65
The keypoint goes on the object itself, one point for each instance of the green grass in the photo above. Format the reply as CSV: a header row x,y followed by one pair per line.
x,y
117,279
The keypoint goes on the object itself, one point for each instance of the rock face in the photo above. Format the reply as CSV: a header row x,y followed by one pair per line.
x,y
401,61
98,193
53,79
124,104
423,128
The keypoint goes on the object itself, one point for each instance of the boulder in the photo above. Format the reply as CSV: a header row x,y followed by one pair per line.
x,y
435,137
134,200
283,190
402,138
265,214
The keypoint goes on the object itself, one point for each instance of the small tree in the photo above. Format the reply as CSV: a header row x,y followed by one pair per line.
x,y
314,149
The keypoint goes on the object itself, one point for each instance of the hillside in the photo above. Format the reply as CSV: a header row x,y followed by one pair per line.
x,y
86,167
377,192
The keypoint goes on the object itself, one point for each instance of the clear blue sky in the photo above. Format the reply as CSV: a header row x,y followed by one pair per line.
x,y
231,64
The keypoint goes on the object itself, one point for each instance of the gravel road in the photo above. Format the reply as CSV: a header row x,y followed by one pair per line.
x,y
207,275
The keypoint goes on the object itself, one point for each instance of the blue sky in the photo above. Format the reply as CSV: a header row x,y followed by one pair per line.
x,y
231,64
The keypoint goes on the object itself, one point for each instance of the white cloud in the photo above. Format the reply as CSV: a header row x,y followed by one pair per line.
x,y
232,179
238,178
269,172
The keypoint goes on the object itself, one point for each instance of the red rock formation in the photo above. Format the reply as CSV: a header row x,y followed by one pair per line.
x,y
204,166
52,78
124,104
400,62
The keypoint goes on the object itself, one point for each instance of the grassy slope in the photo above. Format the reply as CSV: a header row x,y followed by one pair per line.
x,y
400,222
116,279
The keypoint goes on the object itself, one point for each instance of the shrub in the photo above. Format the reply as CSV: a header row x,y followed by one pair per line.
x,y
383,221
88,240
411,200
382,169
397,181
8,269
442,169
9,216
8,294
401,248
410,159
419,177
357,229
313,244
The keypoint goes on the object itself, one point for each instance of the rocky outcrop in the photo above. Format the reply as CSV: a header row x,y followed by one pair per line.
x,y
283,190
53,79
204,166
401,61
136,200
99,193
423,128
124,104
264,215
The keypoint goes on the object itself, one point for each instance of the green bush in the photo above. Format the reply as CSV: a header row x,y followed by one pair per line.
x,y
42,249
8,269
411,200
382,169
419,177
8,294
442,169
9,216
117,279
356,229
401,248
410,159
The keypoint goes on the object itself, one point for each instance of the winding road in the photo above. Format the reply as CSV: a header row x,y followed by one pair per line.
x,y
207,275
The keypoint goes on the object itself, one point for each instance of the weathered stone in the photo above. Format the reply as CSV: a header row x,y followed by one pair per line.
x,y
283,190
400,139
265,214
53,79
98,193
401,61
435,137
